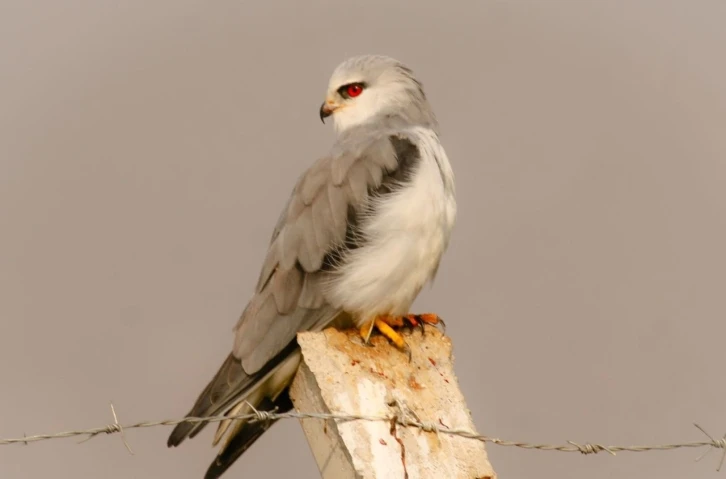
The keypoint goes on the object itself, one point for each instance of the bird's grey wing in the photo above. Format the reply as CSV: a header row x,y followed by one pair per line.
x,y
318,222
315,228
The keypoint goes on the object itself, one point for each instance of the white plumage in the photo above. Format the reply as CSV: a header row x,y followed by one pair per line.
x,y
404,241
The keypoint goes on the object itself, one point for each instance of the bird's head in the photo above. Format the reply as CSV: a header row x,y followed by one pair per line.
x,y
373,88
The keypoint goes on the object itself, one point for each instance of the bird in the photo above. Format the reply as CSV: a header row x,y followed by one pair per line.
x,y
364,229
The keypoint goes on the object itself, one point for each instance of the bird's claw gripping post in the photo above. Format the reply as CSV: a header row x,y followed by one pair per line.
x,y
385,324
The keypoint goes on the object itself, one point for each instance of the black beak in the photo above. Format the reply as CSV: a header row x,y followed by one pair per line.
x,y
324,113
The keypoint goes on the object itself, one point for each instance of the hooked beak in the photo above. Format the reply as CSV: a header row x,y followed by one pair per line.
x,y
326,109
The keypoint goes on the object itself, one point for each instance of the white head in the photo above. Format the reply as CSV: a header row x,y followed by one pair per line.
x,y
373,88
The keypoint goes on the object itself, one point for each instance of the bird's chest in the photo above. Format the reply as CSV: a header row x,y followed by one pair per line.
x,y
414,225
405,240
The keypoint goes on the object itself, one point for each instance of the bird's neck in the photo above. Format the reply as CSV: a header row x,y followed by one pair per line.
x,y
391,121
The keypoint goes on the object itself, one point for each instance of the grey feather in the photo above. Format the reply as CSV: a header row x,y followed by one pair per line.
x,y
313,182
277,336
357,183
311,296
309,252
337,212
286,289
324,229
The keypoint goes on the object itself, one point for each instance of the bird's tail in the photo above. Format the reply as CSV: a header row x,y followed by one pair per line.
x,y
233,392
247,435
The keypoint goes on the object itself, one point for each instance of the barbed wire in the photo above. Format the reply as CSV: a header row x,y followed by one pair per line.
x,y
402,420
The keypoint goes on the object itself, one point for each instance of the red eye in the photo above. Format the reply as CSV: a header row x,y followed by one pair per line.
x,y
354,90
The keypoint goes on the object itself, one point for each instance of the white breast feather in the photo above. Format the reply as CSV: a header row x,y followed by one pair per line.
x,y
404,240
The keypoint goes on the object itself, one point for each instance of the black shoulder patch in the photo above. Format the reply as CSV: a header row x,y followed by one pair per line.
x,y
408,157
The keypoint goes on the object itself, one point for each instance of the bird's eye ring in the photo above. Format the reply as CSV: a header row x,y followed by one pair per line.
x,y
351,90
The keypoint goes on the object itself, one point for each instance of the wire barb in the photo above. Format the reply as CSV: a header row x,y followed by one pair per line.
x,y
260,416
715,444
591,448
116,427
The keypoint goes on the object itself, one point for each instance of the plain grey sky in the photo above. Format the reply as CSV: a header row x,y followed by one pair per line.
x,y
146,149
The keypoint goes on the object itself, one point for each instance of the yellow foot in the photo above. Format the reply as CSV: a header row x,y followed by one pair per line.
x,y
386,323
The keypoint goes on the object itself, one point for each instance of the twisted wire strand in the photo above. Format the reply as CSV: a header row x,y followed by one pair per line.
x,y
402,420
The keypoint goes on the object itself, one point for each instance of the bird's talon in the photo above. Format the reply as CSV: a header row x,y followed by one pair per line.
x,y
385,324
426,318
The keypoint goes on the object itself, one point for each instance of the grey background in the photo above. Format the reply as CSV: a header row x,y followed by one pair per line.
x,y
147,148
